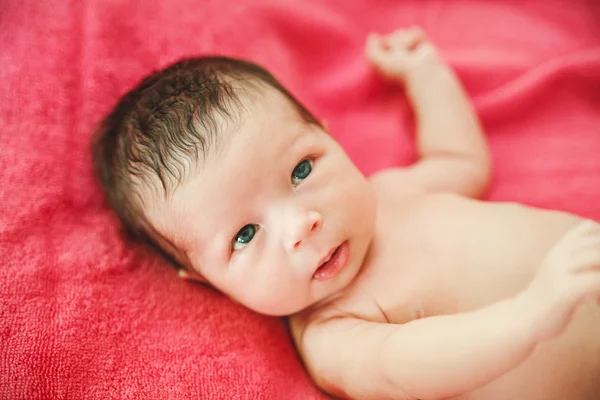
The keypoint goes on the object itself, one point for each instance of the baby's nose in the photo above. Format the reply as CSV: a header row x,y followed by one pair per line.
x,y
306,224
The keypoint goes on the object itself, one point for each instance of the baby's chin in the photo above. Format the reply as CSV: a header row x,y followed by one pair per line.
x,y
277,310
334,289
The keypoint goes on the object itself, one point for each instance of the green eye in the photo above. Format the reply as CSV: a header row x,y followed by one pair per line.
x,y
244,236
302,170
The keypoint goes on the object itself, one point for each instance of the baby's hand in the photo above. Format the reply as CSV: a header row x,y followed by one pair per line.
x,y
569,275
401,54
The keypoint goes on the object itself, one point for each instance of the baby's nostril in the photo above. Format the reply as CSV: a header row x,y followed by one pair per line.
x,y
315,225
297,244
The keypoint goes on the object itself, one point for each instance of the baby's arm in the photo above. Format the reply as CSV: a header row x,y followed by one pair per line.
x,y
430,358
452,148
444,356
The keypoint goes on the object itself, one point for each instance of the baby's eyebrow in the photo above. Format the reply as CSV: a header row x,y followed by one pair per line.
x,y
297,135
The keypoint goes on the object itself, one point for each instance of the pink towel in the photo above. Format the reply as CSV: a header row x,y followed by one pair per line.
x,y
86,315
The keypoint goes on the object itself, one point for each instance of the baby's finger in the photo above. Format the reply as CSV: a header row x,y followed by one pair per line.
x,y
575,234
589,287
377,55
406,38
373,41
587,260
590,242
585,227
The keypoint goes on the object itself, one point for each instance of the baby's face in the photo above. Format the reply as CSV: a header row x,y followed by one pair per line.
x,y
266,211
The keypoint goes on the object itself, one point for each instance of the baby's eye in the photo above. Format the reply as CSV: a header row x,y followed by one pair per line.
x,y
302,170
244,236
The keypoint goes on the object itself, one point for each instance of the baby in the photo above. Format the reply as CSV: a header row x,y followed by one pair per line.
x,y
399,286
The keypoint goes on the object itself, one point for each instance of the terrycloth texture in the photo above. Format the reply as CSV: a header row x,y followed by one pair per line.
x,y
85,315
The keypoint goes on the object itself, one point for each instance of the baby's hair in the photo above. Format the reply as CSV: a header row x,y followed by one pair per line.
x,y
167,123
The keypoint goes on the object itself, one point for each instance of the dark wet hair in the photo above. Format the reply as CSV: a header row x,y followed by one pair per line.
x,y
166,123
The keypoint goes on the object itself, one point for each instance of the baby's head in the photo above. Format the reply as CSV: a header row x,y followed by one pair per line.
x,y
221,170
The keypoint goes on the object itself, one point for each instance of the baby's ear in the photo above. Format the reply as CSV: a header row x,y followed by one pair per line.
x,y
191,276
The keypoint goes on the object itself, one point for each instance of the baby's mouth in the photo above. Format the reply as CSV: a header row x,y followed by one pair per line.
x,y
333,263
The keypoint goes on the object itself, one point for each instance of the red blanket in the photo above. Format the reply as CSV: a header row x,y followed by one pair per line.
x,y
85,314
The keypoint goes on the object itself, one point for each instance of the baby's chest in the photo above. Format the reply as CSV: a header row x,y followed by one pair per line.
x,y
453,258
401,283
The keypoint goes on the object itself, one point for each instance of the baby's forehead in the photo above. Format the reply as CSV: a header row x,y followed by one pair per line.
x,y
268,119
217,185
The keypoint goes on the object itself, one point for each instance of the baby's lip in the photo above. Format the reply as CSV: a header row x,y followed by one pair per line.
x,y
326,257
331,265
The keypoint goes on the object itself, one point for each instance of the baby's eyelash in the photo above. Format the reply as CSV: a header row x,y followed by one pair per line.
x,y
244,236
302,170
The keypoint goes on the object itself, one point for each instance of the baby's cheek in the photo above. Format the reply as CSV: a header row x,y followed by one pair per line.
x,y
279,295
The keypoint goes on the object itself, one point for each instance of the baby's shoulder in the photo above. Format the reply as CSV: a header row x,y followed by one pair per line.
x,y
394,187
394,183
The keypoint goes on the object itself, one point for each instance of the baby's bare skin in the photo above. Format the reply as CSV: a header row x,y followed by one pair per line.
x,y
430,293
450,255
464,268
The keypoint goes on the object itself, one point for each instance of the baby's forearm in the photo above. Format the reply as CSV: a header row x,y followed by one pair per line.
x,y
447,124
444,356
